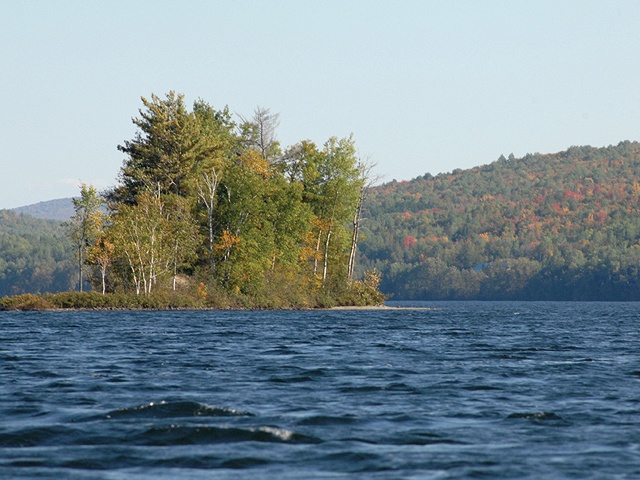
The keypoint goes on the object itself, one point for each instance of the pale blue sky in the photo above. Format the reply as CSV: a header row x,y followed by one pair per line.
x,y
424,86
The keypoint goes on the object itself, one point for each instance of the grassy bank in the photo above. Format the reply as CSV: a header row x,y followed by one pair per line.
x,y
358,295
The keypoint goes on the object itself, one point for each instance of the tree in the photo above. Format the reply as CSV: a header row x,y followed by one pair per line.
x,y
163,154
36,255
155,238
336,191
200,195
333,183
182,235
85,226
244,240
141,234
207,185
101,254
367,180
259,134
219,145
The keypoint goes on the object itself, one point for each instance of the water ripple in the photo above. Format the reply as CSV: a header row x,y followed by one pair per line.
x,y
467,390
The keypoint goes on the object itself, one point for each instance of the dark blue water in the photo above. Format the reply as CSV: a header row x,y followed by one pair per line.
x,y
466,390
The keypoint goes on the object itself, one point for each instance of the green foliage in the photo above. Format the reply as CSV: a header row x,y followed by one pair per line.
x,y
202,201
561,226
200,196
364,292
35,255
25,302
86,225
163,153
71,300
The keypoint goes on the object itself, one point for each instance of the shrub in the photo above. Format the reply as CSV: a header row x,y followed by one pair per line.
x,y
80,300
27,302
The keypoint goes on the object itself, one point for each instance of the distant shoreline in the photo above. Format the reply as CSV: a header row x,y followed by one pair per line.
x,y
376,307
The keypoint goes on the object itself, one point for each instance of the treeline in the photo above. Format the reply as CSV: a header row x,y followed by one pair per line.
x,y
35,255
210,207
563,226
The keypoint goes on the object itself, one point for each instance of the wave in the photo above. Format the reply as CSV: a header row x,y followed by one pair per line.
x,y
244,462
292,374
197,435
35,436
479,388
420,438
355,462
295,379
175,410
395,387
172,424
362,389
328,420
408,438
538,417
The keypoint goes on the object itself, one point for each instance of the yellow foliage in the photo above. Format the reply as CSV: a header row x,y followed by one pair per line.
x,y
227,241
102,252
372,279
307,253
201,291
255,162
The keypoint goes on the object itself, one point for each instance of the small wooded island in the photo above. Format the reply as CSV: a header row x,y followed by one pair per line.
x,y
213,213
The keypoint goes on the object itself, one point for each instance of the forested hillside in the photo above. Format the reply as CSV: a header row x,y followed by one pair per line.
x,y
563,226
35,255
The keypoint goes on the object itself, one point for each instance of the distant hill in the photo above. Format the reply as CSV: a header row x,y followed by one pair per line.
x,y
60,209
563,226
36,255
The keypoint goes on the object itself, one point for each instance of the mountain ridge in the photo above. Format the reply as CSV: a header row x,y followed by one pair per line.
x,y
56,209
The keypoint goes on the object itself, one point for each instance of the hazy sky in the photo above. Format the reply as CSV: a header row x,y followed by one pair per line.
x,y
424,86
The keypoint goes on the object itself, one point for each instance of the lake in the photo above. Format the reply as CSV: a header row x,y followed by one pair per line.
x,y
459,390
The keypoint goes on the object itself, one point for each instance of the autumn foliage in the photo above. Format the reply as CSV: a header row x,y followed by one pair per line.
x,y
561,226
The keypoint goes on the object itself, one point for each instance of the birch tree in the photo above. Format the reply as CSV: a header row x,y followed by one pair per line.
x,y
101,254
207,186
336,193
366,181
141,238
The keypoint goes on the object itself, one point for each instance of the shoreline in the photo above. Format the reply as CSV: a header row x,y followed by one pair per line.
x,y
376,307
213,309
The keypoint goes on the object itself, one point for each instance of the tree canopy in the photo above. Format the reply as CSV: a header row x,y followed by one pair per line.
x,y
203,200
35,255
